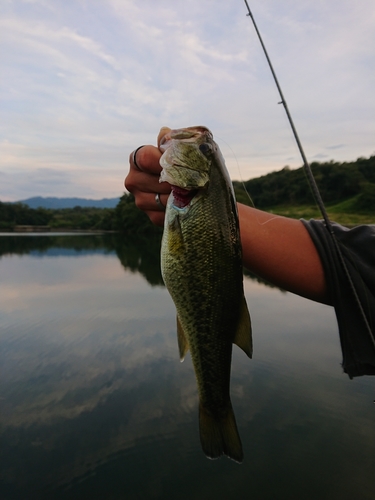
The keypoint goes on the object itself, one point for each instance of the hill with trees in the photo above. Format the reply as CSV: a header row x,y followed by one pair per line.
x,y
347,189
336,181
57,203
124,217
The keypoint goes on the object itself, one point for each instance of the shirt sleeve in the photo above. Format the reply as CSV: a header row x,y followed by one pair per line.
x,y
355,316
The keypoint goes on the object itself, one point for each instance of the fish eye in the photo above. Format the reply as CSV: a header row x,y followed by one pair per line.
x,y
205,148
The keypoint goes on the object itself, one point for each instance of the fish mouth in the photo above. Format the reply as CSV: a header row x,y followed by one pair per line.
x,y
182,197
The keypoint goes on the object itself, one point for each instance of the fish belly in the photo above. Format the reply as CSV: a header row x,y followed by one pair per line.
x,y
202,270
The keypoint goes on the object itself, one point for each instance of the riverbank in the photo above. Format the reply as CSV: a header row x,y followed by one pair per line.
x,y
25,230
312,212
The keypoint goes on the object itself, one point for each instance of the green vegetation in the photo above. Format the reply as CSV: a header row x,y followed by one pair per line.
x,y
129,219
347,189
125,217
18,214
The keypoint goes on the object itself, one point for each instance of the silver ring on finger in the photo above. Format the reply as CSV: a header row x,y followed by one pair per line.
x,y
158,201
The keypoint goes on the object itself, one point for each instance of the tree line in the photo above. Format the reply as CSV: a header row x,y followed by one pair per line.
x,y
337,182
352,182
124,217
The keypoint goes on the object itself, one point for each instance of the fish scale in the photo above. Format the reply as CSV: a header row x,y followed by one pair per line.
x,y
202,269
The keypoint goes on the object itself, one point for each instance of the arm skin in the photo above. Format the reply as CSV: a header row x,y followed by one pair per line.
x,y
280,250
275,248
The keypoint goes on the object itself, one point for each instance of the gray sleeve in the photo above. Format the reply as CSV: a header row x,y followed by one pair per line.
x,y
357,246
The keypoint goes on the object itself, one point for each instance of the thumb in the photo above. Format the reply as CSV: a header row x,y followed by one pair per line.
x,y
163,132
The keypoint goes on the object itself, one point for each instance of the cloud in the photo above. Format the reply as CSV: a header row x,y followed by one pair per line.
x,y
320,156
86,84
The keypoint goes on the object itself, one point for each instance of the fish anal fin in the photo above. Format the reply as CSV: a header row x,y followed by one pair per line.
x,y
219,436
183,345
243,336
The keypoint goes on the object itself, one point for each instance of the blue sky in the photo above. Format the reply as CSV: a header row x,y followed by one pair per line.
x,y
84,82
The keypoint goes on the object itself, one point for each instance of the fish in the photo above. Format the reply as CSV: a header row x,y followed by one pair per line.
x,y
201,264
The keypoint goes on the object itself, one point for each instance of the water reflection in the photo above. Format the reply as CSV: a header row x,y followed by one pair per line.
x,y
139,254
95,403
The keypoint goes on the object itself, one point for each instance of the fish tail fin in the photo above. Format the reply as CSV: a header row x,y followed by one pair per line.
x,y
219,435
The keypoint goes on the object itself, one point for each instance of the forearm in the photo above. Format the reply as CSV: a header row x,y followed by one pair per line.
x,y
281,251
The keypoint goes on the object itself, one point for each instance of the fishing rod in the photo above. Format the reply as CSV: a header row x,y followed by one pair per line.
x,y
306,164
312,182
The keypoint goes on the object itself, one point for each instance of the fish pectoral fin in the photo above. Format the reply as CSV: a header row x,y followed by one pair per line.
x,y
183,345
219,435
243,337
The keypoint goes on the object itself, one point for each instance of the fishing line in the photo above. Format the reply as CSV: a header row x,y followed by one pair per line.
x,y
312,182
239,171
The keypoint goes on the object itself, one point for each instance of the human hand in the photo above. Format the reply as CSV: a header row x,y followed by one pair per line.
x,y
143,180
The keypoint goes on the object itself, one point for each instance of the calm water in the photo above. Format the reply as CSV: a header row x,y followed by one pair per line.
x,y
95,403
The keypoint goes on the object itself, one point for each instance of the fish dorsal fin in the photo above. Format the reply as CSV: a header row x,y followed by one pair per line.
x,y
183,345
243,337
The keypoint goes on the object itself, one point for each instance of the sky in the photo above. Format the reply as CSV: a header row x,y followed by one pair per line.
x,y
85,82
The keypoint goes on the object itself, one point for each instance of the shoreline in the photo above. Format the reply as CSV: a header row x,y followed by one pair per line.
x,y
54,232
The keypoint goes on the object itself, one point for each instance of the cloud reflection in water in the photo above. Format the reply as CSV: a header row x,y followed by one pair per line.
x,y
95,401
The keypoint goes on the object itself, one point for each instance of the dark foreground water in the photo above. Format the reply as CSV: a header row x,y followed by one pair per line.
x,y
96,405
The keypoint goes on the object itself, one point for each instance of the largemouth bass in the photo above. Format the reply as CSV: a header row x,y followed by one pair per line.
x,y
201,265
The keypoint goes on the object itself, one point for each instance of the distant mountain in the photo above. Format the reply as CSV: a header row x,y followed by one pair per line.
x,y
55,203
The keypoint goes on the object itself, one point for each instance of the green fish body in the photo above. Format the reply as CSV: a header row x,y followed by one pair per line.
x,y
201,265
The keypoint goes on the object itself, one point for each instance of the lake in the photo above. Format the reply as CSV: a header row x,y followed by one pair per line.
x,y
95,403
